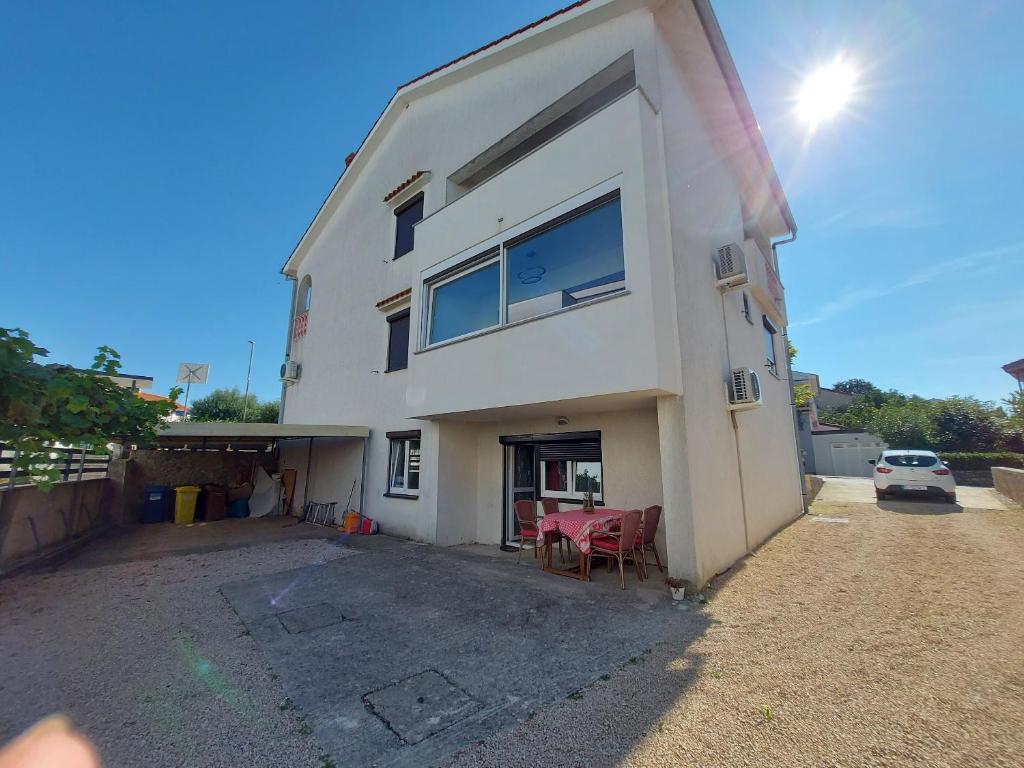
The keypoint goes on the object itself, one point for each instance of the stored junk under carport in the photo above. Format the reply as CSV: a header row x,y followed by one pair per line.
x,y
234,457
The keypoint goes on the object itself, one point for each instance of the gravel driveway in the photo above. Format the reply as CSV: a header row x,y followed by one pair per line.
x,y
893,639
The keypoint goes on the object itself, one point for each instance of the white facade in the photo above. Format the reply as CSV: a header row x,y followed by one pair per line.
x,y
645,364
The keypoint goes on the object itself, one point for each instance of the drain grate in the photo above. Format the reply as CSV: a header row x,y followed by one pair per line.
x,y
311,617
420,706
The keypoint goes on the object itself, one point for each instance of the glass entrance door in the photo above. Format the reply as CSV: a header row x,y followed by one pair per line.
x,y
520,484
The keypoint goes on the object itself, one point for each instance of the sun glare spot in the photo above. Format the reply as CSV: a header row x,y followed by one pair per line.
x,y
825,92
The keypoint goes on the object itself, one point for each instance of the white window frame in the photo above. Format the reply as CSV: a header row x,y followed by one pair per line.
x,y
571,492
478,256
406,448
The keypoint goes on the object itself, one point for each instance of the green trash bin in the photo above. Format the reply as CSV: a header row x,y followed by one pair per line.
x,y
185,504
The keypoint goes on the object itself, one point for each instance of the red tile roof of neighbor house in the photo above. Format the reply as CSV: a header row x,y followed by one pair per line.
x,y
404,185
156,398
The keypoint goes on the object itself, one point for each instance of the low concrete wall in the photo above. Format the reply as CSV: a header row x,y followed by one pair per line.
x,y
37,524
1009,482
812,484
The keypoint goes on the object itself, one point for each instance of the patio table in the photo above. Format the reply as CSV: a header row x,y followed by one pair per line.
x,y
576,525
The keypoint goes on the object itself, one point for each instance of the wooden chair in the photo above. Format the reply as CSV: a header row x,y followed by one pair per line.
x,y
645,536
550,507
619,544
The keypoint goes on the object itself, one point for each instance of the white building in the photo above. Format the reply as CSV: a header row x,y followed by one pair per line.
x,y
512,283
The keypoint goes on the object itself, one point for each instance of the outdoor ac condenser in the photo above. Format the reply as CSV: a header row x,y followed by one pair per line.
x,y
290,371
730,266
744,389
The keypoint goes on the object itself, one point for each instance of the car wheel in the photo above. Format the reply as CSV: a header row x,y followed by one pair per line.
x,y
879,496
951,499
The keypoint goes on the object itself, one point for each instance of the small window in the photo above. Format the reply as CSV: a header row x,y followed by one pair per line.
x,y
398,341
466,303
769,343
404,467
305,294
406,217
566,479
746,309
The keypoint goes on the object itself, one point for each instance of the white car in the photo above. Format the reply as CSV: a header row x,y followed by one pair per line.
x,y
913,472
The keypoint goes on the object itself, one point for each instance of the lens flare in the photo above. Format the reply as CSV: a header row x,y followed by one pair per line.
x,y
826,92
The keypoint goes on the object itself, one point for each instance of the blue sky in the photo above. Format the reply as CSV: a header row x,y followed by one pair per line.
x,y
161,160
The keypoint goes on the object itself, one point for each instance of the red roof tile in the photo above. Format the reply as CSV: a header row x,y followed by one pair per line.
x,y
404,185
394,297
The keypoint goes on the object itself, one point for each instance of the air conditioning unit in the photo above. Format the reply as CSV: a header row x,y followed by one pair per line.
x,y
744,389
730,266
290,371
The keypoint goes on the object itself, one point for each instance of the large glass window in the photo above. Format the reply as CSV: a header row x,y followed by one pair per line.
x,y
404,466
466,303
574,258
566,479
577,258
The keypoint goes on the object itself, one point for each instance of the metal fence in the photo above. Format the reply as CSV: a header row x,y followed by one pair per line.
x,y
72,463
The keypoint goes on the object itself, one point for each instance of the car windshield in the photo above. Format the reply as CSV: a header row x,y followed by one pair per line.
x,y
911,460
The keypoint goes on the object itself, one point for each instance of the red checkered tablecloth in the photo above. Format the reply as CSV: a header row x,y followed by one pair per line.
x,y
578,525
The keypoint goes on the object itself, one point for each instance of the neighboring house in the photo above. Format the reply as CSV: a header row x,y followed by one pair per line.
x,y
827,449
1016,369
178,414
511,285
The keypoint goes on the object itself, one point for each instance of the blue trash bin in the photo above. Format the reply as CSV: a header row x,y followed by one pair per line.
x,y
155,503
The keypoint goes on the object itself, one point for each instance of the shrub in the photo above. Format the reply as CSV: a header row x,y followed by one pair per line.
x,y
967,460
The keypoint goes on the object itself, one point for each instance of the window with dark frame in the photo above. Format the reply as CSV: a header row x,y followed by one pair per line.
x,y
746,309
404,464
407,215
398,341
769,342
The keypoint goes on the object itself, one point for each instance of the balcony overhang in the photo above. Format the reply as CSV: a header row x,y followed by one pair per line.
x,y
619,401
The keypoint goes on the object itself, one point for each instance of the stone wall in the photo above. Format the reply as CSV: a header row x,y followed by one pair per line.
x,y
1009,482
35,524
977,477
812,484
171,468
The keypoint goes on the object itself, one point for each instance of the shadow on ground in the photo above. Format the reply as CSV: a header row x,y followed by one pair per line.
x,y
405,654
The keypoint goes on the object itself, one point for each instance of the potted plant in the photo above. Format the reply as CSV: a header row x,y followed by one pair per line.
x,y
677,587
588,494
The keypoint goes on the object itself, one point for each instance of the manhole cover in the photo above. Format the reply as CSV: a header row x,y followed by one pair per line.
x,y
310,617
420,706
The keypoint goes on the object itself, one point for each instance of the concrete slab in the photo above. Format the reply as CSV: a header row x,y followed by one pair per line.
x,y
861,490
442,647
314,616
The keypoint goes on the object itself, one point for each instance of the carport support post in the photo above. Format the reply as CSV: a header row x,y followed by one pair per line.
x,y
309,463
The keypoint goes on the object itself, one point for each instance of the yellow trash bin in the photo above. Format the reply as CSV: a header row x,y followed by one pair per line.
x,y
185,504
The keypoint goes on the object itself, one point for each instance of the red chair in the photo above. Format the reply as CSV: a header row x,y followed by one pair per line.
x,y
550,507
645,536
619,544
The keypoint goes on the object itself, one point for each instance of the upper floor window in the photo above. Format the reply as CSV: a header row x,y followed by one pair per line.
x,y
571,259
407,215
305,294
398,341
746,308
769,342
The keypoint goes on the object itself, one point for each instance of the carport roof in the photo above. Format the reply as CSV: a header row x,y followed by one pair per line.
x,y
214,434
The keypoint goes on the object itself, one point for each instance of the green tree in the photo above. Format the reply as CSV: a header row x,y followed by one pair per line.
x,y
230,405
965,424
854,386
41,405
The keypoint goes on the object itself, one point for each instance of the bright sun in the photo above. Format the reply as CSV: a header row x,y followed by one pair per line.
x,y
825,92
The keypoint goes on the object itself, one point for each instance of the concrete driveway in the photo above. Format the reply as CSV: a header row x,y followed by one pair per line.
x,y
861,490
